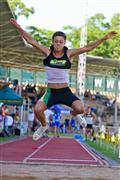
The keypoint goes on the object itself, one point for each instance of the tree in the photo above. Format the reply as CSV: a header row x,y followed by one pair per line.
x,y
98,22
97,27
115,21
19,8
41,35
73,36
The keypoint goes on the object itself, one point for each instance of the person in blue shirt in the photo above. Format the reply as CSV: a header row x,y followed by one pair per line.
x,y
73,124
56,121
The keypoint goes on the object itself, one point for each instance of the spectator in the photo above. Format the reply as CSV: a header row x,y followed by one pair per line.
x,y
67,124
73,124
87,94
49,118
1,121
8,121
90,118
4,114
30,119
56,120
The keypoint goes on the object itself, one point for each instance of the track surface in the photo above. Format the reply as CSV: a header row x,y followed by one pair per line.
x,y
49,150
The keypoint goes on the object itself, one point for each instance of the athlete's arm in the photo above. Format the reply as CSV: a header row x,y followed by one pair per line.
x,y
29,38
90,46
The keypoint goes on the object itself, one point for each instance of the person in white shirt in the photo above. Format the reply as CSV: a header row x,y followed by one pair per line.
x,y
90,118
31,117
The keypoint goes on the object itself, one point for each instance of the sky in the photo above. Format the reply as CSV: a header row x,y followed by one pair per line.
x,y
54,14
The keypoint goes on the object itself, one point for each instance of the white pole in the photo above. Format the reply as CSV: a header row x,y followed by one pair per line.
x,y
119,151
116,94
21,110
20,93
82,58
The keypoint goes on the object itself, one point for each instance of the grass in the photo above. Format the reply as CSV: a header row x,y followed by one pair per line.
x,y
106,148
62,134
7,138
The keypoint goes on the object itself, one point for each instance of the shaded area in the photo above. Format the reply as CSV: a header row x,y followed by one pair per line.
x,y
10,97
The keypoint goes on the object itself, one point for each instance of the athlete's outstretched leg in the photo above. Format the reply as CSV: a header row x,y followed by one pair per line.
x,y
39,109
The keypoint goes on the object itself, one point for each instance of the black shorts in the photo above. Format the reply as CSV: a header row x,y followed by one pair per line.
x,y
58,96
89,126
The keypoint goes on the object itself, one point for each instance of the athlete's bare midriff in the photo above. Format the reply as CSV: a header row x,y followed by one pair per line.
x,y
57,85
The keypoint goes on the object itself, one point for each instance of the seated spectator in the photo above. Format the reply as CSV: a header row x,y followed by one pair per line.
x,y
98,96
87,94
110,102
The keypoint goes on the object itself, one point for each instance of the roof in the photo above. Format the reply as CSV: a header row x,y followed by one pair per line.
x,y
13,50
100,65
15,53
9,36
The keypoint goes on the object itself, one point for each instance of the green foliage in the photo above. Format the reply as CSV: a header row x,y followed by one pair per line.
x,y
19,8
73,36
109,48
115,21
41,35
7,138
97,22
97,27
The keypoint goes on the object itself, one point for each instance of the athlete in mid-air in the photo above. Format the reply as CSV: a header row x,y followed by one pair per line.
x,y
57,63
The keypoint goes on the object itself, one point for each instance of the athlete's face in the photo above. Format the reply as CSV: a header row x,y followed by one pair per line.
x,y
58,43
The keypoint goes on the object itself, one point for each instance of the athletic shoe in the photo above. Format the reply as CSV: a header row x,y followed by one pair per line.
x,y
39,132
82,121
45,135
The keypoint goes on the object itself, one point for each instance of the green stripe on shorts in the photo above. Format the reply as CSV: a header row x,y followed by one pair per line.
x,y
46,96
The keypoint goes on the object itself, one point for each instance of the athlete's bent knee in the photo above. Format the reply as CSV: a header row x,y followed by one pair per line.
x,y
82,110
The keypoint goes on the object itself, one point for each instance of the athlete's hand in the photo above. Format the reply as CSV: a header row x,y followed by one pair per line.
x,y
110,34
14,23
